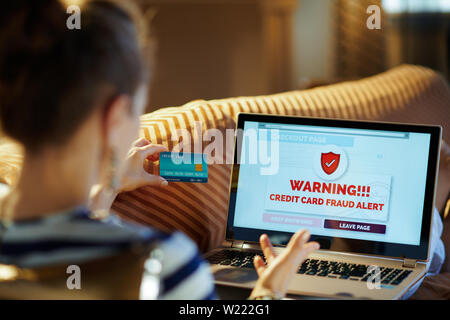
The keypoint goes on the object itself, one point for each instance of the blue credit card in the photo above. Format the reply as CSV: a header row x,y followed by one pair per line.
x,y
183,167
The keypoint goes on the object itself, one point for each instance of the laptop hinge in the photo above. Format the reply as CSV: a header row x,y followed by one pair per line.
x,y
237,244
409,263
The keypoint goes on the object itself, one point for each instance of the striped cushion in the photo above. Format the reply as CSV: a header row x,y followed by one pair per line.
x,y
10,161
406,94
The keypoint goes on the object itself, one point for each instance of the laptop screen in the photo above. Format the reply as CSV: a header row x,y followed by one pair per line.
x,y
338,182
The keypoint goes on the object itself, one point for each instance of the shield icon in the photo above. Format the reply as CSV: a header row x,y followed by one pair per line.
x,y
330,162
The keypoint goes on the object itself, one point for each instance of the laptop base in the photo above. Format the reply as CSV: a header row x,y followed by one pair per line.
x,y
326,286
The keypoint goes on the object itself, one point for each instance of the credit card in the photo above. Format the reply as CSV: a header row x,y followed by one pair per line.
x,y
183,167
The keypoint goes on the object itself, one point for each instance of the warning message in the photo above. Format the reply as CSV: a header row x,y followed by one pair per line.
x,y
361,196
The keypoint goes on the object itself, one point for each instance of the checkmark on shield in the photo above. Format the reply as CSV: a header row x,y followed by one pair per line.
x,y
330,162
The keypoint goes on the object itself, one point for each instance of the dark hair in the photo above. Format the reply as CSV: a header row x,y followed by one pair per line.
x,y
52,78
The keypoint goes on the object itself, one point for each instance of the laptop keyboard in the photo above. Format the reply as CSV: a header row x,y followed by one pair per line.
x,y
314,267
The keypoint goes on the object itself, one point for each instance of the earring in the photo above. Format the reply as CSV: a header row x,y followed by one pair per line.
x,y
110,187
113,163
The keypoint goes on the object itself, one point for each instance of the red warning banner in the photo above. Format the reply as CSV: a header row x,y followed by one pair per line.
x,y
356,196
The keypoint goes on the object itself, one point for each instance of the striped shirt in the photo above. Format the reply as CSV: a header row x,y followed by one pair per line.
x,y
73,236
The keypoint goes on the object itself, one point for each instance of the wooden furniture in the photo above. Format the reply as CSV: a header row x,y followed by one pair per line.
x,y
219,48
50,282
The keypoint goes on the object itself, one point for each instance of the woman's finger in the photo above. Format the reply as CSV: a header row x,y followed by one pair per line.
x,y
151,150
267,248
295,245
310,247
154,180
149,180
298,248
141,142
259,264
298,240
307,249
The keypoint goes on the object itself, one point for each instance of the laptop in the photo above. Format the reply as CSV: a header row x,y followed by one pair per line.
x,y
364,190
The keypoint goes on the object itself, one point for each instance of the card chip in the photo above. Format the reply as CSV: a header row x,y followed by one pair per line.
x,y
198,167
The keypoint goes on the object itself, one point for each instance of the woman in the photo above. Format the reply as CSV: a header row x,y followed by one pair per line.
x,y
73,98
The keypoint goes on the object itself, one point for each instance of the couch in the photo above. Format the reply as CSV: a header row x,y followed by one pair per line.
x,y
406,93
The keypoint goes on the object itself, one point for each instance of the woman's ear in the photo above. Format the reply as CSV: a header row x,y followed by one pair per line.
x,y
115,119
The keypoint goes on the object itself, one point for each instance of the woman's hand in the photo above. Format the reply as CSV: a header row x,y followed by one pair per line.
x,y
135,175
275,276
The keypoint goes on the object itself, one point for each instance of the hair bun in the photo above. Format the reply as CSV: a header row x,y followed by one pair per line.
x,y
53,78
31,29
